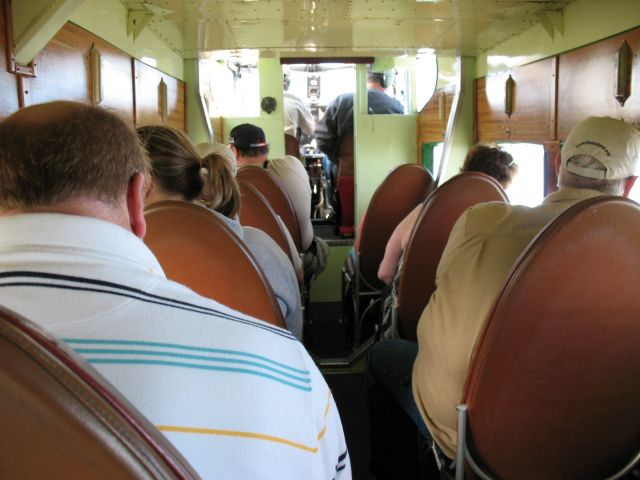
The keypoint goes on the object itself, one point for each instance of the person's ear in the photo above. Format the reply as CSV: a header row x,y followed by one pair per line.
x,y
628,185
135,204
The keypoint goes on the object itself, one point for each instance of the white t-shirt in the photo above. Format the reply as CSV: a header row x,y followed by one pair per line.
x,y
297,114
295,179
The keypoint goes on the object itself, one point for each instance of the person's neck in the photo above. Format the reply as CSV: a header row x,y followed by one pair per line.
x,y
242,161
80,206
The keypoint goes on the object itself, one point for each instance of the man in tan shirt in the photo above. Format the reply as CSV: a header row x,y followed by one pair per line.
x,y
600,157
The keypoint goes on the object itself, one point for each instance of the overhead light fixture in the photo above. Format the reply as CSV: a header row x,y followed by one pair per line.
x,y
163,109
623,73
509,90
96,75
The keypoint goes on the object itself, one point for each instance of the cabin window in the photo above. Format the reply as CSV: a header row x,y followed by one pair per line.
x,y
527,187
409,79
232,83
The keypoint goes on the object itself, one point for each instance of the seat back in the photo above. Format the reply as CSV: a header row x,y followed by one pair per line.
x,y
553,390
429,237
345,187
398,194
291,145
346,156
255,211
62,419
197,249
275,193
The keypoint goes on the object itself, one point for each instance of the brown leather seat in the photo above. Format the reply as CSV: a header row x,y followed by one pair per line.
x,y
345,187
198,250
553,388
291,146
429,237
398,194
61,419
275,193
346,156
255,211
404,188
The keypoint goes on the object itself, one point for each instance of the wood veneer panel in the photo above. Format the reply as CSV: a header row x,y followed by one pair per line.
x,y
533,117
8,81
430,127
64,72
586,79
147,111
218,129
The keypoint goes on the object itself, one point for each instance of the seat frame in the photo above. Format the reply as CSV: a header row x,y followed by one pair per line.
x,y
353,278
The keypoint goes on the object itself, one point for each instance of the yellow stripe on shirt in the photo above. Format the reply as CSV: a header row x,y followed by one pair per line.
x,y
254,435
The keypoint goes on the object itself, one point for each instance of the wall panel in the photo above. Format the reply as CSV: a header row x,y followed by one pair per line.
x,y
432,128
147,99
64,72
8,81
534,98
586,79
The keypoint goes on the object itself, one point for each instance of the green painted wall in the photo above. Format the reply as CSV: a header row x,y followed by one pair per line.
x,y
382,142
108,20
35,23
585,21
196,127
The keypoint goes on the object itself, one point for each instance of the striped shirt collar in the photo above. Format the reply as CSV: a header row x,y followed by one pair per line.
x,y
86,235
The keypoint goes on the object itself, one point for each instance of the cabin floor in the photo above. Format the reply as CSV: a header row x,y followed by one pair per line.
x,y
327,339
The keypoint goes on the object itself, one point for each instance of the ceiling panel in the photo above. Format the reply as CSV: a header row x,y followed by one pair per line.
x,y
342,27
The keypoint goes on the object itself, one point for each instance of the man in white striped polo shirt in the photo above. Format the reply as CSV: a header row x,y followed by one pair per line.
x,y
239,398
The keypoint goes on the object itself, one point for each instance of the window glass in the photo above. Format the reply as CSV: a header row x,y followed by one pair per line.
x,y
232,83
527,187
409,79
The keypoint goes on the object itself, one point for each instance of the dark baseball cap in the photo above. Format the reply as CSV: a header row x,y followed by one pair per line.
x,y
247,136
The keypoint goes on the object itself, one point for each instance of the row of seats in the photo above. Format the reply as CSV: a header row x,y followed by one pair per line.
x,y
181,236
550,380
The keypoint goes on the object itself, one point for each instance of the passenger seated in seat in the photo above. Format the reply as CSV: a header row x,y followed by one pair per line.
x,y
489,159
178,173
206,148
250,147
599,157
238,397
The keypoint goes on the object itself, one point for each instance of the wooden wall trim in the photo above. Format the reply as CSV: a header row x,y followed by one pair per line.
x,y
534,105
12,66
586,83
9,101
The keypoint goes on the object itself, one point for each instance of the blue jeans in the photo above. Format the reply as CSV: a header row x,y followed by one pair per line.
x,y
390,364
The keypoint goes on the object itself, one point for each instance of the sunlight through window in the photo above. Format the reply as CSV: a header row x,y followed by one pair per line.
x,y
527,187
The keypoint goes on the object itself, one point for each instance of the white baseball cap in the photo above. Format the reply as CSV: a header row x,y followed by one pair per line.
x,y
612,142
